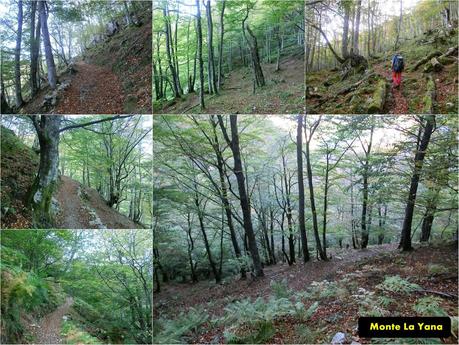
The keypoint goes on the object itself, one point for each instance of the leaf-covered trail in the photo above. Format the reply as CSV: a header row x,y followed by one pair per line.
x,y
49,330
83,208
93,90
397,104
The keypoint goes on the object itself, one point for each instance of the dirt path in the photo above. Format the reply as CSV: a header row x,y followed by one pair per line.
x,y
93,90
72,211
83,208
298,277
49,330
397,104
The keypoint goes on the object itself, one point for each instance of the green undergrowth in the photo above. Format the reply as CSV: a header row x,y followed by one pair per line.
x,y
128,54
74,334
315,312
327,82
24,296
19,164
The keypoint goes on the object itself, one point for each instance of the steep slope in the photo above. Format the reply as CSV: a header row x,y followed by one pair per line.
x,y
327,93
19,164
77,206
81,207
283,92
112,76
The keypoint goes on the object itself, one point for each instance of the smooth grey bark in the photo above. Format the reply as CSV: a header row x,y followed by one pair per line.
x,y
52,78
213,89
405,239
167,29
355,39
220,46
17,57
201,64
35,30
299,158
244,198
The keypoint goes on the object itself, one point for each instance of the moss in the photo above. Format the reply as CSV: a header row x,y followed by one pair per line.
x,y
379,97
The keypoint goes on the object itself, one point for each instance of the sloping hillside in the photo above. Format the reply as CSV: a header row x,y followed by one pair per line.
x,y
19,164
329,93
112,76
75,206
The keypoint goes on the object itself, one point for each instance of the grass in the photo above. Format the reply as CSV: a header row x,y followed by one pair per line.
x,y
73,334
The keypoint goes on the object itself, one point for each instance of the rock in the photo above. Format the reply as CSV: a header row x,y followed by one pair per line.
x,y
55,207
450,107
437,66
426,59
339,338
379,98
112,28
446,60
355,343
429,98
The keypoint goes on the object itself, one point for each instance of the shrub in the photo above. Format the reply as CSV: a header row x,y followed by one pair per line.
x,y
398,284
259,333
175,331
429,306
280,289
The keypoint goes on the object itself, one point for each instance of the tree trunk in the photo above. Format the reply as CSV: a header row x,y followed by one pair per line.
x,y
312,200
17,58
405,239
344,49
201,64
399,27
365,173
210,50
41,192
52,78
175,81
220,47
206,241
299,157
357,28
244,199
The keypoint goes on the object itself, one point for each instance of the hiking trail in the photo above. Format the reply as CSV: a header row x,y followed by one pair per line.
x,y
49,330
92,90
81,207
397,103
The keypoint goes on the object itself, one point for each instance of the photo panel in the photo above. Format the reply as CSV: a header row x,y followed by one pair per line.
x,y
288,229
76,57
76,171
223,57
381,57
76,286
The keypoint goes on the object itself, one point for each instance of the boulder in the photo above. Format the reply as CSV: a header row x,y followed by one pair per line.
x,y
378,100
112,28
339,338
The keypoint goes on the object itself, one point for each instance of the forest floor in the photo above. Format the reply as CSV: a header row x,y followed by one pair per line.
x,y
49,328
93,90
356,272
282,94
83,208
328,94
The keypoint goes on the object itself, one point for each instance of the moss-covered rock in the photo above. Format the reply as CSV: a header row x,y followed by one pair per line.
x,y
429,98
376,103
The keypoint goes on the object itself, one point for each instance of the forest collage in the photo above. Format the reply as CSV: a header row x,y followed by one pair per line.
x,y
228,171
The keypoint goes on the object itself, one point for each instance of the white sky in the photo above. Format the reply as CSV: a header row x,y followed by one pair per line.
x,y
387,7
382,137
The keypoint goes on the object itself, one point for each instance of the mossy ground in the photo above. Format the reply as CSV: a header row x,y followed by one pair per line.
x,y
282,94
413,89
19,165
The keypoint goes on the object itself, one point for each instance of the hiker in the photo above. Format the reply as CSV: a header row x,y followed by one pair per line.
x,y
397,69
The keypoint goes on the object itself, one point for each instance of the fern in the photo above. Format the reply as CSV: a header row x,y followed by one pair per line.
x,y
175,331
429,306
259,333
304,314
280,289
398,284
